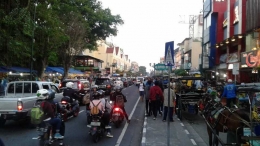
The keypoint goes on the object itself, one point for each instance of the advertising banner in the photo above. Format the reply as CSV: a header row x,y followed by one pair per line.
x,y
250,59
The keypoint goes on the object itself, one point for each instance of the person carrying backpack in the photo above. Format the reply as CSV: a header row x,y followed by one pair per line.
x,y
97,106
155,98
48,110
148,108
119,102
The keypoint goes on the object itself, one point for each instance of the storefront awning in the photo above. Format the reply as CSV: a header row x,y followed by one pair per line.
x,y
2,70
74,71
18,69
55,69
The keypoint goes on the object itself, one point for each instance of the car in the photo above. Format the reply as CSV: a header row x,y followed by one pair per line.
x,y
104,84
125,81
80,86
138,80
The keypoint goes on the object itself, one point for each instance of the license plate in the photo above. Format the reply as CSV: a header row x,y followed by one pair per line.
x,y
116,114
95,123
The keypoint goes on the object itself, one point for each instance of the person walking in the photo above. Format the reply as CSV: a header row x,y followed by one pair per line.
x,y
155,98
148,86
165,103
229,93
141,90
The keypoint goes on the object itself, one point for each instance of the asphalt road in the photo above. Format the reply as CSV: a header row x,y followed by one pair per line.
x,y
196,123
18,133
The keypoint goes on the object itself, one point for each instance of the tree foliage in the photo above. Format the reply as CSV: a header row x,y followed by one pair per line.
x,y
62,29
180,72
142,70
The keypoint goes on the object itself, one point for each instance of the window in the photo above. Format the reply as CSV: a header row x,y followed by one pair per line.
x,y
45,87
19,88
90,62
27,88
35,88
11,88
79,62
53,87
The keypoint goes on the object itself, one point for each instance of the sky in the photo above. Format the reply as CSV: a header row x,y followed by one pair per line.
x,y
149,24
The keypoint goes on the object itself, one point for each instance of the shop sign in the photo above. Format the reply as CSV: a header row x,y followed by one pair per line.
x,y
233,57
250,59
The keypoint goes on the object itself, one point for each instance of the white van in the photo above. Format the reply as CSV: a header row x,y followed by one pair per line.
x,y
138,80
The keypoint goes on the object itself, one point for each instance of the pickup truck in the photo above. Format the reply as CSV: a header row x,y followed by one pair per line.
x,y
20,97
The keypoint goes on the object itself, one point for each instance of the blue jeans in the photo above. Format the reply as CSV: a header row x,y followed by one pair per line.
x,y
56,122
165,112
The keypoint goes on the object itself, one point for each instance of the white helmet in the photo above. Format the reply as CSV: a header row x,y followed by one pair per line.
x,y
69,85
94,86
42,94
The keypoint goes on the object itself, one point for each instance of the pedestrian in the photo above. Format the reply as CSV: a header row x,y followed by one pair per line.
x,y
161,104
148,86
156,97
141,87
1,142
165,103
229,93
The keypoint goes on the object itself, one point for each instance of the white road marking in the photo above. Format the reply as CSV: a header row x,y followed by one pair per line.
x,y
193,141
81,111
181,124
126,125
187,132
35,138
143,139
144,130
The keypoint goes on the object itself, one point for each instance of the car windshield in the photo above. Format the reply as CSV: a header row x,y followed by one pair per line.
x,y
140,79
101,81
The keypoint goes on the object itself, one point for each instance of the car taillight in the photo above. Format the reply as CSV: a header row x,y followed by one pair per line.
x,y
108,86
116,109
19,105
63,102
59,85
79,86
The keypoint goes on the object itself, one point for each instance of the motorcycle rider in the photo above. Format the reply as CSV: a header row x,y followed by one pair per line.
x,y
101,103
113,98
93,95
49,108
72,94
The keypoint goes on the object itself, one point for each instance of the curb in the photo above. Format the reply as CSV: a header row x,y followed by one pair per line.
x,y
143,142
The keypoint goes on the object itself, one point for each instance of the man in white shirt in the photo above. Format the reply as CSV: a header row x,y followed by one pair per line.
x,y
141,90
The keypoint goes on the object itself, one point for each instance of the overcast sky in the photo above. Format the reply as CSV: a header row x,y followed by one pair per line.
x,y
148,24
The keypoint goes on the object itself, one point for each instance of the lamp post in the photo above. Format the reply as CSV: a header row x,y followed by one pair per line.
x,y
33,41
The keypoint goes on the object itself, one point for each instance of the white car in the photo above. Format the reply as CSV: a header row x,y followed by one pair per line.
x,y
138,80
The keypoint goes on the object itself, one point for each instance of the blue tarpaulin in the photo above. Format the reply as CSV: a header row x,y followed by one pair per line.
x,y
18,69
3,70
54,70
61,70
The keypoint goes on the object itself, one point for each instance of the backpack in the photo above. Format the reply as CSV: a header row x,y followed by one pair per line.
x,y
120,100
95,110
37,113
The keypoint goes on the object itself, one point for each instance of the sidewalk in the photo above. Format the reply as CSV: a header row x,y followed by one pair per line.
x,y
155,133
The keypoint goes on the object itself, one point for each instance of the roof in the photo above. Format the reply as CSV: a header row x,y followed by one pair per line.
x,y
90,57
110,50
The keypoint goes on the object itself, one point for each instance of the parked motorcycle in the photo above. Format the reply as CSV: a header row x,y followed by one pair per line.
x,y
67,108
46,133
97,130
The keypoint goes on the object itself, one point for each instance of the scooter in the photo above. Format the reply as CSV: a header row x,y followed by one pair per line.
x,y
117,116
46,133
67,108
97,130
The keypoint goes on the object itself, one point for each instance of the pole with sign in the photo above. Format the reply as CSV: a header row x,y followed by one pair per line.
x,y
169,61
235,71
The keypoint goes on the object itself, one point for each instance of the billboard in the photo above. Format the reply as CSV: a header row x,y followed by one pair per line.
x,y
250,59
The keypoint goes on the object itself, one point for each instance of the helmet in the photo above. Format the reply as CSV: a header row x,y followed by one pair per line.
x,y
42,94
95,86
69,85
117,88
51,94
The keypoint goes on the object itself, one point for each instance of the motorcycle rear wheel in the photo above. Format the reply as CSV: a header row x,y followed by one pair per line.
x,y
95,138
76,113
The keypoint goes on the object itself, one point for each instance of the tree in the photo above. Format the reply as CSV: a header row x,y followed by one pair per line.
x,y
142,70
180,72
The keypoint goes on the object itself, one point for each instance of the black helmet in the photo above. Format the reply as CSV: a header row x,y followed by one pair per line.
x,y
51,94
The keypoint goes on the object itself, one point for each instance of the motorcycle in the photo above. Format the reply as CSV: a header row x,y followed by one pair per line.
x,y
46,133
117,116
97,130
67,108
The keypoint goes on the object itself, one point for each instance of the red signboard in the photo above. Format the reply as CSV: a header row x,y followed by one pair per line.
x,y
250,59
